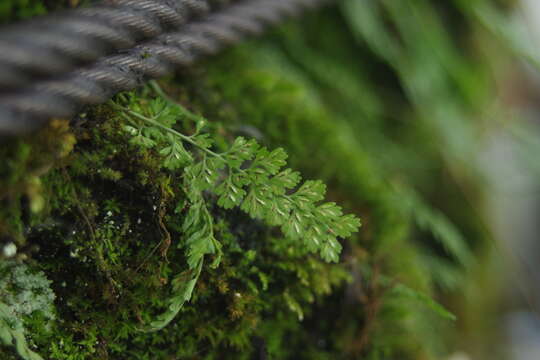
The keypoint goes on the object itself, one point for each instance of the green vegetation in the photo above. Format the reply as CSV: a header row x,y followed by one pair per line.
x,y
24,294
164,224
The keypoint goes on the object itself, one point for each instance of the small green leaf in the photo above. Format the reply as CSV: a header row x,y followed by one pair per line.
x,y
293,226
241,151
330,250
254,203
311,191
271,162
182,287
279,211
346,226
203,141
230,195
329,210
284,180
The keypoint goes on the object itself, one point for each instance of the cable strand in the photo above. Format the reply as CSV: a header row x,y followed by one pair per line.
x,y
64,95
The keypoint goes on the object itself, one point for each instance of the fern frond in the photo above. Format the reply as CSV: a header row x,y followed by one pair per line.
x,y
247,176
407,292
435,222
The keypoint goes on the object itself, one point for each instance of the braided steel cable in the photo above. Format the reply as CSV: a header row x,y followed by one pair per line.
x,y
64,95
60,42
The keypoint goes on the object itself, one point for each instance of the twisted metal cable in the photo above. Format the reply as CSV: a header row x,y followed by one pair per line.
x,y
64,95
60,42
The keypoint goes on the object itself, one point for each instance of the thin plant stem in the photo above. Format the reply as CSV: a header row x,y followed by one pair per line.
x,y
163,127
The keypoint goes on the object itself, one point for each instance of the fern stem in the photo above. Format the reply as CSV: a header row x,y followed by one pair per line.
x,y
163,127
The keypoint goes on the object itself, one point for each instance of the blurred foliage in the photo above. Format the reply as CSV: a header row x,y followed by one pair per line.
x,y
387,102
22,294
